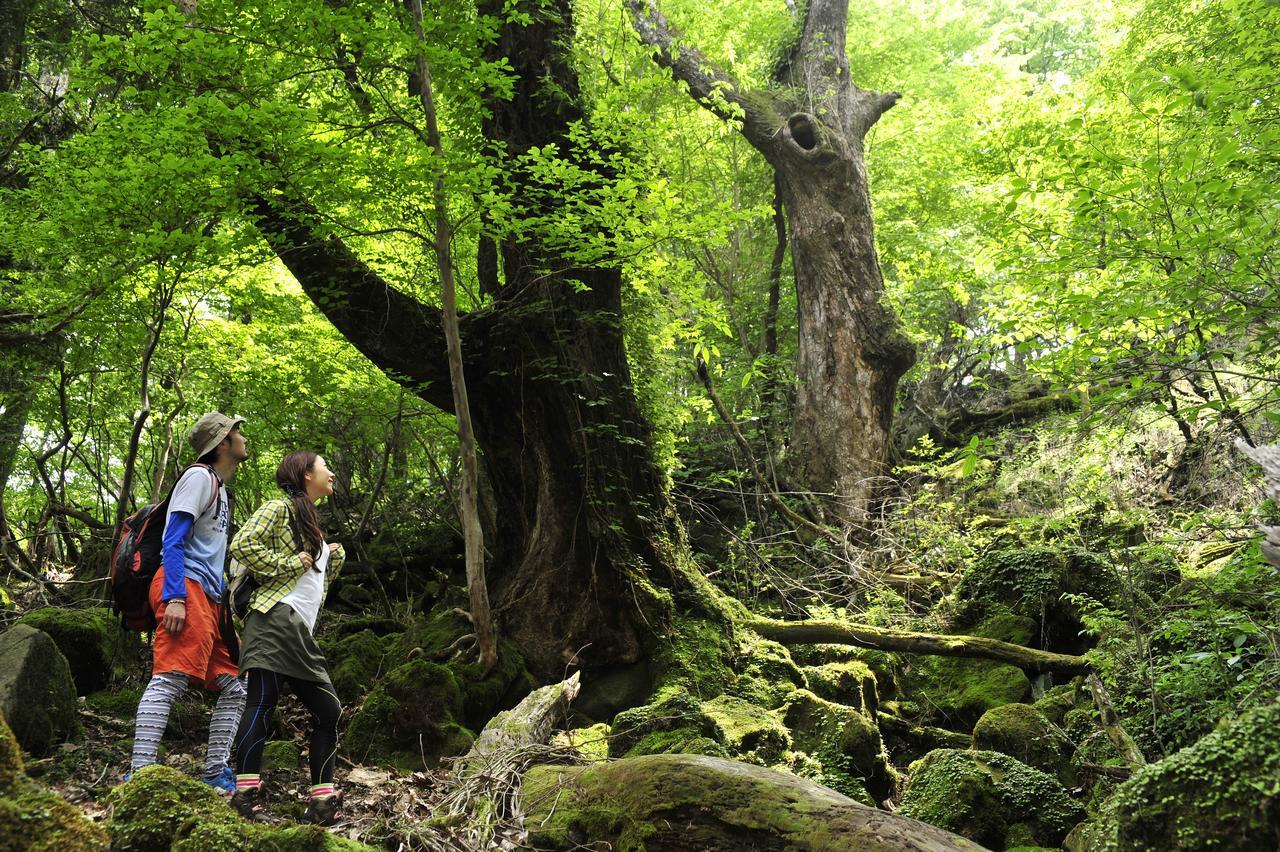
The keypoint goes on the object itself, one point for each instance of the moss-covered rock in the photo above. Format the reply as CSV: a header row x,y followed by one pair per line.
x,y
11,768
188,718
161,809
606,693
713,805
94,644
694,656
673,722
1223,792
1060,700
851,682
1031,582
954,692
990,798
766,674
356,661
410,714
844,740
591,743
749,732
281,754
37,695
1022,731
37,820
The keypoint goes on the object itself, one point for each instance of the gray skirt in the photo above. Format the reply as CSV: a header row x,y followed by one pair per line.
x,y
279,641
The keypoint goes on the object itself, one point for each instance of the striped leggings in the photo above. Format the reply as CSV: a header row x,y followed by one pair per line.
x,y
153,717
264,694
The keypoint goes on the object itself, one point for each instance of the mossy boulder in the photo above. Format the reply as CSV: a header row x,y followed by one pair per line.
x,y
281,754
356,661
990,798
844,740
1222,792
673,722
1022,731
1031,582
37,695
591,743
94,644
749,732
851,682
766,674
1060,700
161,809
955,692
188,718
11,767
685,801
33,819
410,714
694,656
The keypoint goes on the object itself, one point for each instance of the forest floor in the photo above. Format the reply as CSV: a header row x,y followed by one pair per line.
x,y
383,806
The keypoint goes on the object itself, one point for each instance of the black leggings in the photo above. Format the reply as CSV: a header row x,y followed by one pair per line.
x,y
264,694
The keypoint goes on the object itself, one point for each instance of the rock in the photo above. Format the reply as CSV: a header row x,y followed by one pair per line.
x,y
1022,731
1060,700
990,798
607,693
37,696
162,810
766,674
953,692
35,819
355,662
845,741
95,645
748,731
851,683
1220,793
409,715
281,754
673,722
683,802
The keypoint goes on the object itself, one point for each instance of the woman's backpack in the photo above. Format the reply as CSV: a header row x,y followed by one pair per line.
x,y
137,558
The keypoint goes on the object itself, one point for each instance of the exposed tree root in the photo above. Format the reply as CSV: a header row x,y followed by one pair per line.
x,y
888,639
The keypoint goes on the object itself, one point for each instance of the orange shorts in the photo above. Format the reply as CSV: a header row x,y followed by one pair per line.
x,y
199,651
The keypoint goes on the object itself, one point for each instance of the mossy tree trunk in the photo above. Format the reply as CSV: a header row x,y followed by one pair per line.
x,y
852,348
586,546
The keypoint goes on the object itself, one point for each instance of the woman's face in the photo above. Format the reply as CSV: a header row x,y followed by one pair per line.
x,y
319,479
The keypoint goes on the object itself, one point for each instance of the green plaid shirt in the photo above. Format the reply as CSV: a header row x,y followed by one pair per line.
x,y
266,547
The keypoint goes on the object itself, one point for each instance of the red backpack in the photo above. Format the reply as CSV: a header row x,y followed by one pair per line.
x,y
137,558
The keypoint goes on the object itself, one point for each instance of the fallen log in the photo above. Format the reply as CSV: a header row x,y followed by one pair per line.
x,y
668,802
888,639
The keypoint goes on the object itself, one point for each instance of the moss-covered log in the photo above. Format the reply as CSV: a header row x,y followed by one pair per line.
x,y
910,642
684,801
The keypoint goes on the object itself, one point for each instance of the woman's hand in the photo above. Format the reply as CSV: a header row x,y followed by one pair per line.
x,y
308,561
335,549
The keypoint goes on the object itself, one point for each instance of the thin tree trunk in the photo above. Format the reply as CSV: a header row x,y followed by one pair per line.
x,y
473,536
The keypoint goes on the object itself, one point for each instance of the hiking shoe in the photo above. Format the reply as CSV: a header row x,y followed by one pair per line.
x,y
249,802
323,811
224,782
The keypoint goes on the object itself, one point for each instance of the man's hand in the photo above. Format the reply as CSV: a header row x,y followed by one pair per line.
x,y
175,616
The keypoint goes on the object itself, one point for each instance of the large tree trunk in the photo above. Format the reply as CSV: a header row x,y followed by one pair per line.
x,y
852,349
586,535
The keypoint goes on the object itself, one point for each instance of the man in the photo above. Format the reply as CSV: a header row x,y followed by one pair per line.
x,y
187,597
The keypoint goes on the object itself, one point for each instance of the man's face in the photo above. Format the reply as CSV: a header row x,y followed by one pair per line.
x,y
235,444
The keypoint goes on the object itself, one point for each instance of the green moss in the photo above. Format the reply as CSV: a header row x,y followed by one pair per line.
x,y
411,714
748,731
850,682
694,656
188,718
990,798
766,674
11,768
148,811
356,661
37,820
592,744
37,695
674,714
95,645
845,741
1058,701
1223,792
281,754
691,802
1022,731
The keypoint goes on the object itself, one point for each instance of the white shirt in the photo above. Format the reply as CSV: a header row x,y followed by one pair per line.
x,y
307,595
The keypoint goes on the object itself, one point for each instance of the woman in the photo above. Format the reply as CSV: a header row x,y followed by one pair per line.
x,y
284,549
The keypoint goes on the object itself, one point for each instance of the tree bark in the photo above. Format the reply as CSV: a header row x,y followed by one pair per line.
x,y
586,537
852,349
